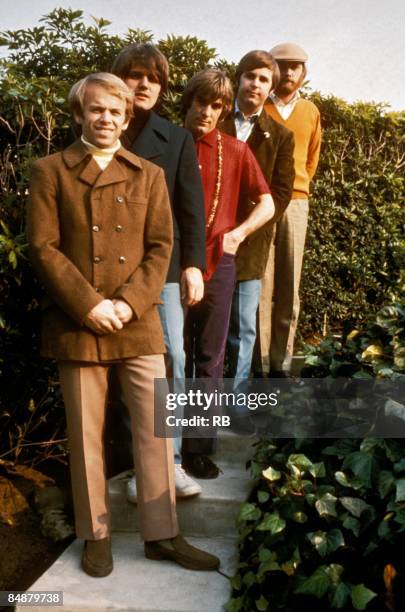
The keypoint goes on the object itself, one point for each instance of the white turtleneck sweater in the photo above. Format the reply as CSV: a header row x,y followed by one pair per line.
x,y
101,156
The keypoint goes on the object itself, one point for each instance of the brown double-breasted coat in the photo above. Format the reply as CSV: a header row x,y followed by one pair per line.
x,y
95,235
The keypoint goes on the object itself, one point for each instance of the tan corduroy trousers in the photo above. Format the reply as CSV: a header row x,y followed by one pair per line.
x,y
85,388
279,302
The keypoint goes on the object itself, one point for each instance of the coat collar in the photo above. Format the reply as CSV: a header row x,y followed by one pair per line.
x,y
262,130
152,140
91,173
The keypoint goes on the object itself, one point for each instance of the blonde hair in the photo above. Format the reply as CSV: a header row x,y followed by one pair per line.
x,y
113,84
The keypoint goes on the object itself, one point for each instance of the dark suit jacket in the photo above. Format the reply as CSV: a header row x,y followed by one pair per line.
x,y
172,148
273,148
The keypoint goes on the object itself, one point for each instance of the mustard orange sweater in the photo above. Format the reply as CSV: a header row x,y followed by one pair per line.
x,y
305,123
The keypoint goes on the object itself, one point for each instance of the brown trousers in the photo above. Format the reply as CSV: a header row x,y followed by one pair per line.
x,y
279,302
85,388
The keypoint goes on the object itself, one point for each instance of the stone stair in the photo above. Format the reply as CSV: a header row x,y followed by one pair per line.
x,y
140,585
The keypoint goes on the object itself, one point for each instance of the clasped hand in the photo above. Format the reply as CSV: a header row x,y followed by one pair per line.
x,y
108,316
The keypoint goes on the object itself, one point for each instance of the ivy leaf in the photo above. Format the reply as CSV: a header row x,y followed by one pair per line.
x,y
273,523
361,465
262,604
345,481
326,505
271,474
340,596
300,517
353,524
300,461
317,584
400,485
385,481
317,470
400,466
354,505
326,542
263,496
361,596
249,512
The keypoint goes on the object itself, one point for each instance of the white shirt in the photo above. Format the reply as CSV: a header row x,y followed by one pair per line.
x,y
285,109
244,125
102,156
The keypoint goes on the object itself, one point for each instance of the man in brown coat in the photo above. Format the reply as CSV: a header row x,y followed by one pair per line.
x,y
100,238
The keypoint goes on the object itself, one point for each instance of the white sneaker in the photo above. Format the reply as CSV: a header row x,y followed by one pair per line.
x,y
185,486
132,494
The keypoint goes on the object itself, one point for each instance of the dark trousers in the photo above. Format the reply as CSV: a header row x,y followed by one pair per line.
x,y
206,331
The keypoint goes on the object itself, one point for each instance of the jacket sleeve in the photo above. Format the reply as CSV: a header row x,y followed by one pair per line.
x,y
62,281
143,287
188,206
314,148
282,180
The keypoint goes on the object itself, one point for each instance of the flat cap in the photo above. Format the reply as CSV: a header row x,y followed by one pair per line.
x,y
289,52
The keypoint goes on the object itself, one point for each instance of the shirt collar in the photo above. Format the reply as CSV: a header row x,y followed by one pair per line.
x,y
251,118
278,102
210,139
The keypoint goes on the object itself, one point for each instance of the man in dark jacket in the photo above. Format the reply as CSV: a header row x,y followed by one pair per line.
x,y
145,70
273,145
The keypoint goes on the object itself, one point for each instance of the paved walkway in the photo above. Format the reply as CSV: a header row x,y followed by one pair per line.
x,y
142,585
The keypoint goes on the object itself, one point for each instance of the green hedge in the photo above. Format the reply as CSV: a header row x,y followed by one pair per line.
x,y
352,261
324,527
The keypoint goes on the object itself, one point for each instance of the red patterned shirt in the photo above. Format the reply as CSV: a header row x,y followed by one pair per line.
x,y
242,180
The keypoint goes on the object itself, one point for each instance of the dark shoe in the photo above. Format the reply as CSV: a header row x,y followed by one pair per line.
x,y
181,552
97,558
200,466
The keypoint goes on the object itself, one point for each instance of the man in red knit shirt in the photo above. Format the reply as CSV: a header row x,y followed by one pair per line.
x,y
278,324
230,176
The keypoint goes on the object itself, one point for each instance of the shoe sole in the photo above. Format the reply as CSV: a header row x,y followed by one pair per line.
x,y
91,570
181,560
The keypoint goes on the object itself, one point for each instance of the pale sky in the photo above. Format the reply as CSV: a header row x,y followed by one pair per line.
x,y
356,47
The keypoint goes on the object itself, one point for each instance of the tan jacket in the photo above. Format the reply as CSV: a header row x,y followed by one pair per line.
x,y
99,234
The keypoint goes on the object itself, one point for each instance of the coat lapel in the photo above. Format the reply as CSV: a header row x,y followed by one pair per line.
x,y
152,140
261,131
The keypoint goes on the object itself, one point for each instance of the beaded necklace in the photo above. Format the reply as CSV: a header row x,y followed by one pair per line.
x,y
215,200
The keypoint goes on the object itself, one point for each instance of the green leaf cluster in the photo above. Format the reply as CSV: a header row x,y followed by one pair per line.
x,y
323,522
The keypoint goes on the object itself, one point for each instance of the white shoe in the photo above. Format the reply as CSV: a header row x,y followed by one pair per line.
x,y
132,495
185,486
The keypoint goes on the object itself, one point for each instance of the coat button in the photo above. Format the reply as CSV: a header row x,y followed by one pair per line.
x,y
96,259
120,199
97,289
96,228
118,228
122,259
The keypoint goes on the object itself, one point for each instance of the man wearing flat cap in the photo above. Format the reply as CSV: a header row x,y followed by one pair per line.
x,y
278,325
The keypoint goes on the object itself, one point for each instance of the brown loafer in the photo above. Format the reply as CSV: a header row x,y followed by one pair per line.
x,y
181,552
97,558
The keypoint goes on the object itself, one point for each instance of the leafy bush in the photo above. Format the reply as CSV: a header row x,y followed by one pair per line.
x,y
355,256
324,525
322,530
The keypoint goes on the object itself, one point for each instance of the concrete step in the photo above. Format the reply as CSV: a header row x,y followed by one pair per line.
x,y
138,584
233,448
212,513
